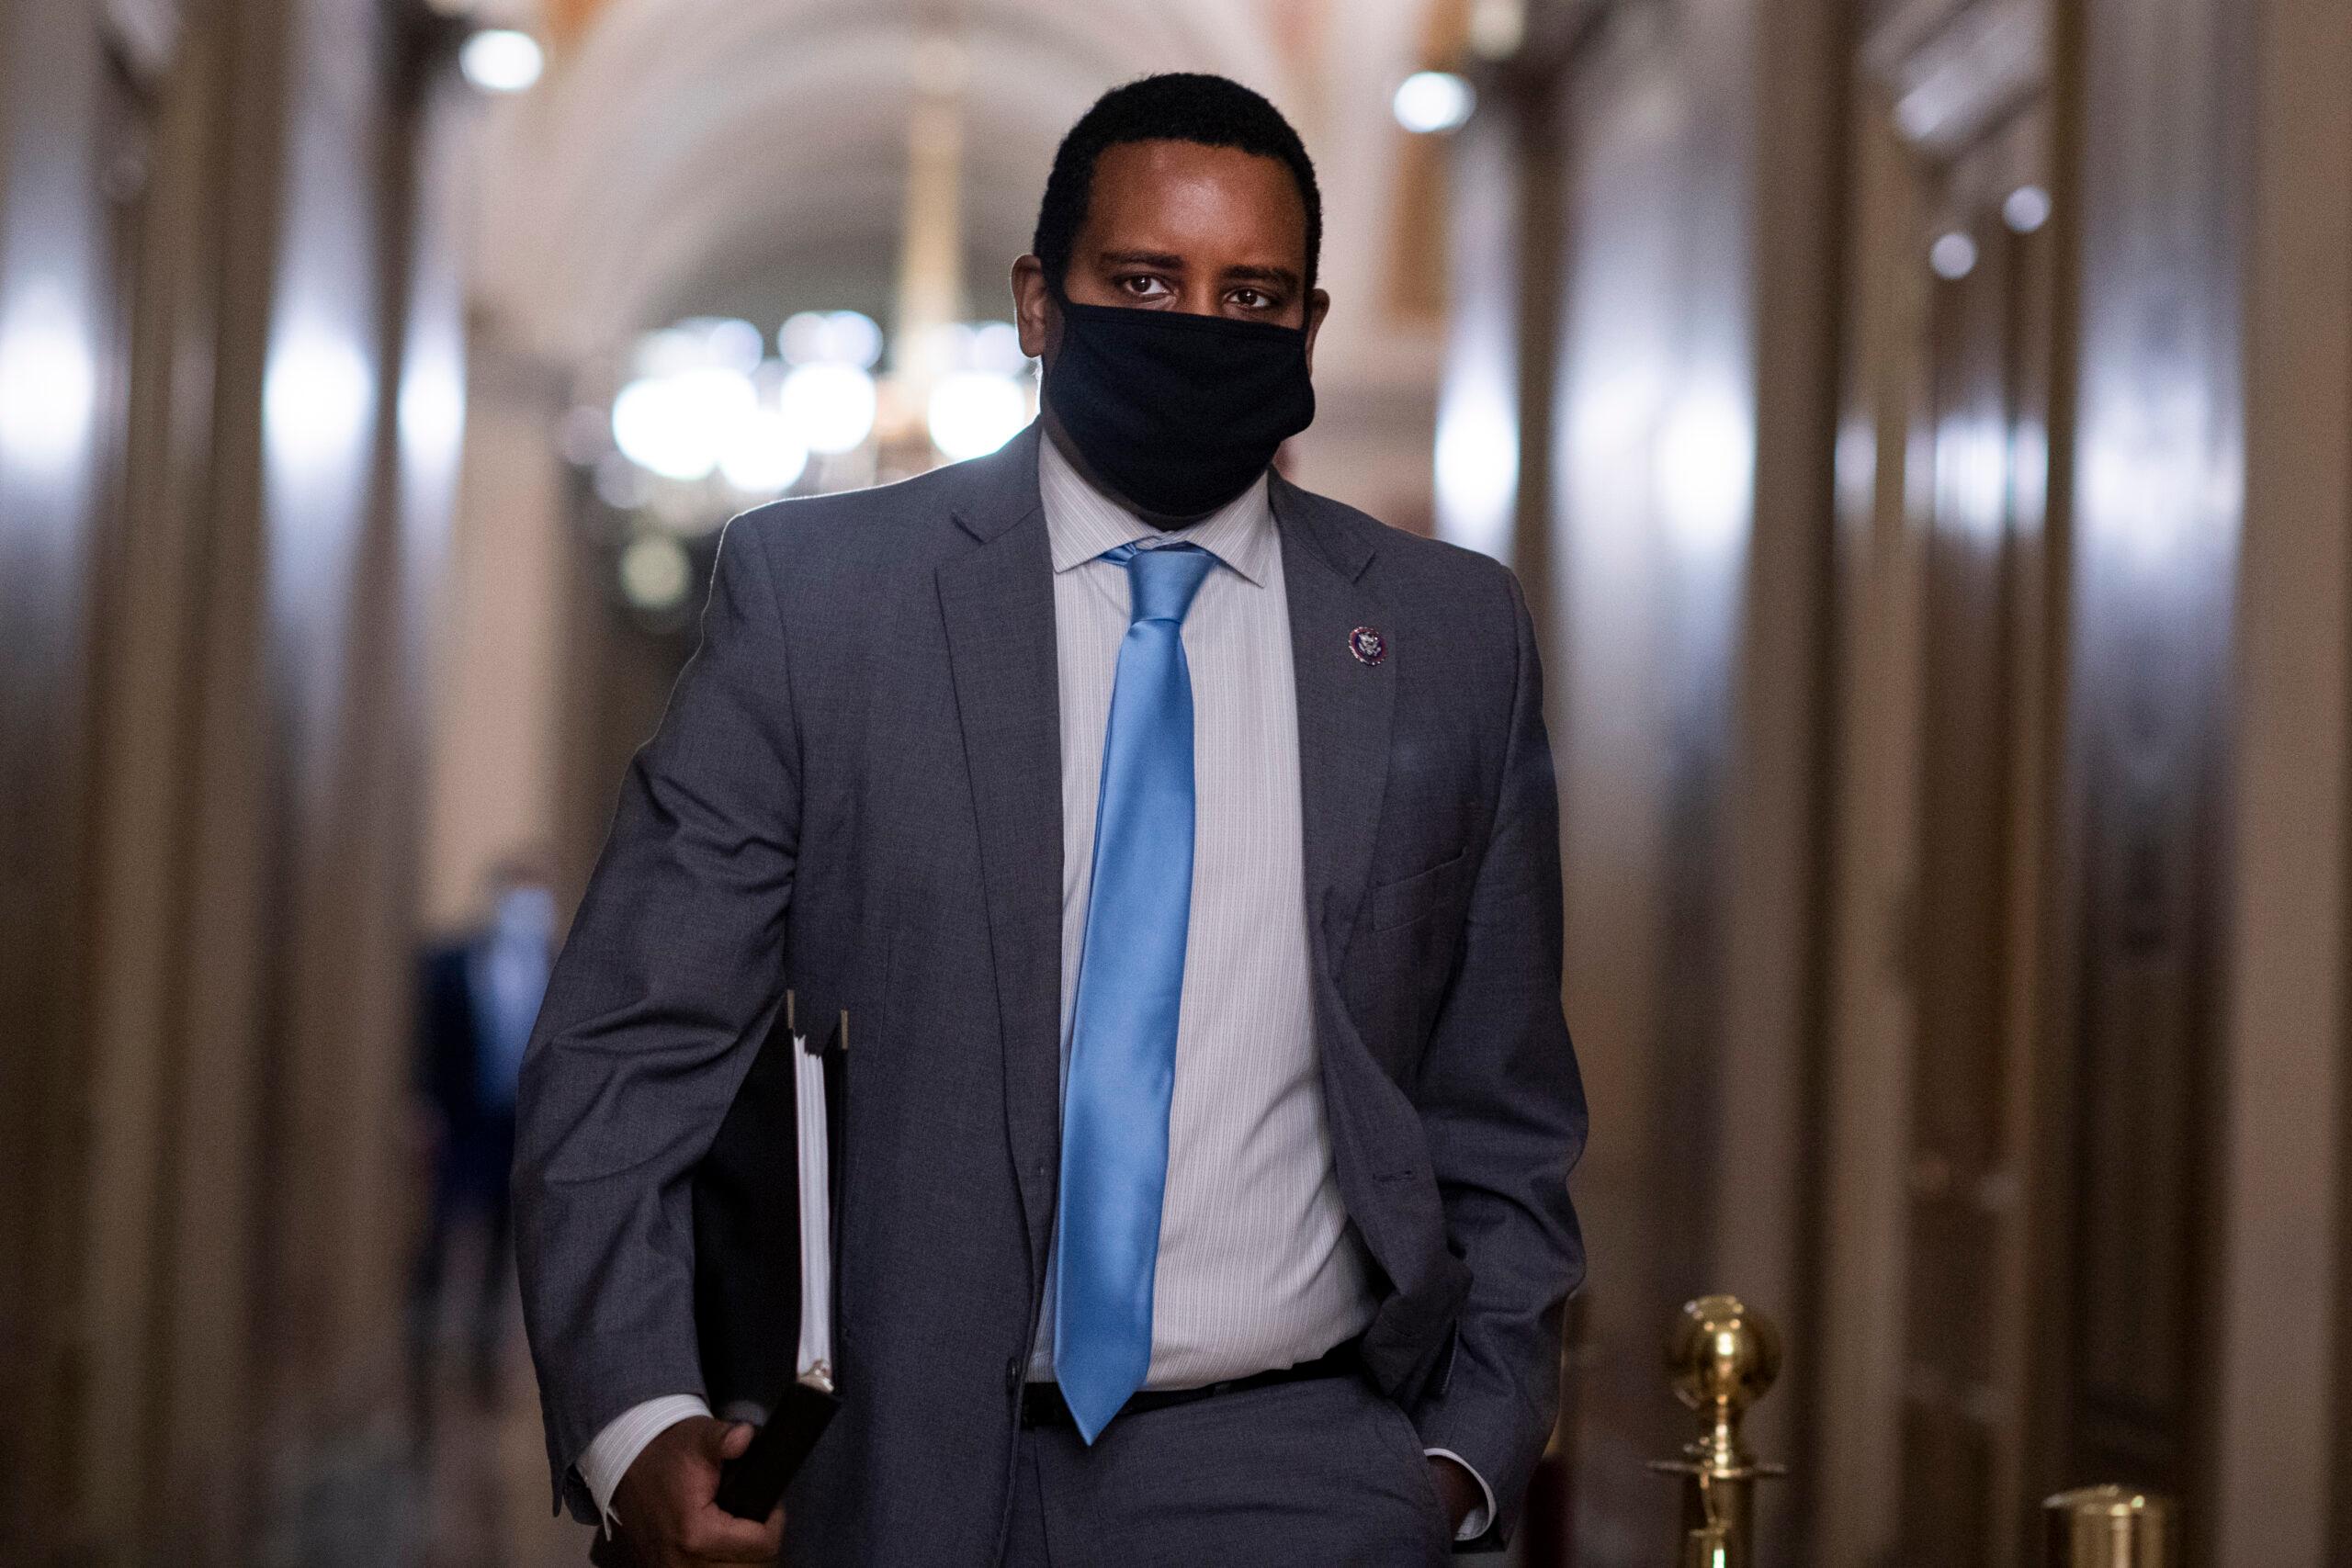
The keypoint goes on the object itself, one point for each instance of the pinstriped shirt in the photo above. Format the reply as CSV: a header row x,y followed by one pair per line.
x,y
1259,1267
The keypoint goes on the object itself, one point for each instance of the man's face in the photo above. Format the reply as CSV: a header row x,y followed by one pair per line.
x,y
1177,226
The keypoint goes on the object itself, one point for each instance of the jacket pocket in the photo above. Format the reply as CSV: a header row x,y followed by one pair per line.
x,y
1410,898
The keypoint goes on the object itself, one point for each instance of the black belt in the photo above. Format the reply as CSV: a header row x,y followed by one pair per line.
x,y
1042,1404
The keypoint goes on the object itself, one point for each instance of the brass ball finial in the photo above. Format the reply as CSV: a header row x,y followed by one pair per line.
x,y
1724,1355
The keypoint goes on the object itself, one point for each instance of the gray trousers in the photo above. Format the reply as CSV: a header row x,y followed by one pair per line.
x,y
1315,1475
1310,1474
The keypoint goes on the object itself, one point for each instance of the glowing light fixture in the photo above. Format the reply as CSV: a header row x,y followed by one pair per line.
x,y
678,425
318,395
1953,256
1705,462
2027,209
737,345
1477,467
655,572
501,60
973,412
1915,115
763,454
996,345
432,407
1430,101
831,407
831,337
48,382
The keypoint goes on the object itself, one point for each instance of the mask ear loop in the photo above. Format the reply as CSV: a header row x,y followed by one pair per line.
x,y
1058,291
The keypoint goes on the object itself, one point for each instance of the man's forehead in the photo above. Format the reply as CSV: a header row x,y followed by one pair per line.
x,y
1127,163
1163,193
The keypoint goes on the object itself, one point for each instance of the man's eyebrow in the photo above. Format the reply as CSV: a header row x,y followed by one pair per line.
x,y
1280,276
1164,260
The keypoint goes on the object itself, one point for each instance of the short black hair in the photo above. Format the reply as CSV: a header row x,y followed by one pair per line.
x,y
1176,106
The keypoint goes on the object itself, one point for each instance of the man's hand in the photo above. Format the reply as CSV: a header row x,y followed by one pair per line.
x,y
1457,1489
663,1505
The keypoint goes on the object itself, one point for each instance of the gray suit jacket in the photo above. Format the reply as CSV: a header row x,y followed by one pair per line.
x,y
857,786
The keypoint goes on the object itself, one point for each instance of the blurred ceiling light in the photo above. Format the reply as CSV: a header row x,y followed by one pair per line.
x,y
1478,466
996,345
431,409
1855,461
936,351
1953,256
666,353
318,397
801,339
831,337
700,342
1430,101
853,338
735,344
655,572
1616,410
501,60
2027,209
47,381
830,406
949,347
1917,114
762,455
677,425
973,412
1705,463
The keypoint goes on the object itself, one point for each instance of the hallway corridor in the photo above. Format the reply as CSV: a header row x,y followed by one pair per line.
x,y
1921,431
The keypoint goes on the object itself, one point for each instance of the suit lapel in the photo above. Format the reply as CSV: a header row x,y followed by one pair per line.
x,y
1344,708
998,602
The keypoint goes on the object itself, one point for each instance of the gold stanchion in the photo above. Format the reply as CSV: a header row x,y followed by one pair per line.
x,y
1724,1357
2110,1526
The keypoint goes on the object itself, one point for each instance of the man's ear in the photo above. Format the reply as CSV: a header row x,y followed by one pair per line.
x,y
1318,305
1032,306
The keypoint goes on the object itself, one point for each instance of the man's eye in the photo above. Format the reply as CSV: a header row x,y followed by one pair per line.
x,y
1251,300
1143,286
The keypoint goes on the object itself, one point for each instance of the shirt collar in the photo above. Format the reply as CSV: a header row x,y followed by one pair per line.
x,y
1082,522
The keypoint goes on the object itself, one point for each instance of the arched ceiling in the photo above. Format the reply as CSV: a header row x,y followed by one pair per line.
x,y
690,151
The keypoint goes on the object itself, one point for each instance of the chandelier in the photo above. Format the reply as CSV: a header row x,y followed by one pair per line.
x,y
713,415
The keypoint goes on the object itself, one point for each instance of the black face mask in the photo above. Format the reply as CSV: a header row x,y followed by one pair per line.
x,y
1178,413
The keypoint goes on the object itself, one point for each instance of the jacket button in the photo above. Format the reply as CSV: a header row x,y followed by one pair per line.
x,y
1013,1375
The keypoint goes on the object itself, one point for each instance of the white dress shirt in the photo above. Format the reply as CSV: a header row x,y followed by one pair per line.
x,y
1259,1265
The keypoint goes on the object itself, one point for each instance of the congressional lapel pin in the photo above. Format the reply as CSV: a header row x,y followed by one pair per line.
x,y
1367,645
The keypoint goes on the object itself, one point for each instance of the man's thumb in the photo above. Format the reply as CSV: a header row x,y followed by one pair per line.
x,y
733,1438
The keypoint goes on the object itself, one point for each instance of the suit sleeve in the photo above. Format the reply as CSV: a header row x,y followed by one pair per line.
x,y
1503,1110
651,1021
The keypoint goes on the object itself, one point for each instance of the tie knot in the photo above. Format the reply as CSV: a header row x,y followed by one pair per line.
x,y
1162,581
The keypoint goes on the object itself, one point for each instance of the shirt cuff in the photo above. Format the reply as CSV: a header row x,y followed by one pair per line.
x,y
618,1446
1479,1517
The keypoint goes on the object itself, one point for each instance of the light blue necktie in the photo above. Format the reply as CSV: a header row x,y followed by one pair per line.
x,y
1130,978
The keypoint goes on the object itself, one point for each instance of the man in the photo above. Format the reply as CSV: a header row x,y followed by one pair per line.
x,y
1184,848
476,998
